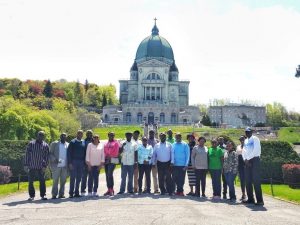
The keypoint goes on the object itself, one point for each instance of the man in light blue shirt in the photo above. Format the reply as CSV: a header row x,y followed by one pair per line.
x,y
179,161
145,153
162,159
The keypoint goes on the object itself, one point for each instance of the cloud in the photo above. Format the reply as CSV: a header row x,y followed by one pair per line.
x,y
229,50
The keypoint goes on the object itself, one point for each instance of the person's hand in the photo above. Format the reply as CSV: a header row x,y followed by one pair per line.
x,y
135,165
89,168
70,166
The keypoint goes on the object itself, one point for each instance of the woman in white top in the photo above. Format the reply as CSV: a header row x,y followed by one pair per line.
x,y
94,159
241,167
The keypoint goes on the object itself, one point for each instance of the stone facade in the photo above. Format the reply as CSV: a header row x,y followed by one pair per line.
x,y
154,93
237,115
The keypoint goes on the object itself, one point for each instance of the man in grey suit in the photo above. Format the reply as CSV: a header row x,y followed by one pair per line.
x,y
59,165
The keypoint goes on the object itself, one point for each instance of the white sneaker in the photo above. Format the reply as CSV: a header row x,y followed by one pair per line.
x,y
95,194
90,194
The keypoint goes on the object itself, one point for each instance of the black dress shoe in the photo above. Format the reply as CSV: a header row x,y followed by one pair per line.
x,y
61,196
120,193
53,197
248,202
259,203
44,198
131,192
77,195
71,196
30,199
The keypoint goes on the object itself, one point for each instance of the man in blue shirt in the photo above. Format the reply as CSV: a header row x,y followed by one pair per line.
x,y
162,159
179,161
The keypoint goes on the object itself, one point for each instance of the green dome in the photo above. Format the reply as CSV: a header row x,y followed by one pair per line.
x,y
154,46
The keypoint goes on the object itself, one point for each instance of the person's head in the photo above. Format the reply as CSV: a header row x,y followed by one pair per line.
x,y
151,134
201,141
144,140
63,137
190,138
242,139
40,136
136,134
214,143
178,137
111,136
248,132
128,136
89,134
162,137
170,133
229,146
220,140
96,139
79,134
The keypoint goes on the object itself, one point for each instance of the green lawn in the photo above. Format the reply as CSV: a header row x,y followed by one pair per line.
x,y
206,131
289,134
282,191
7,189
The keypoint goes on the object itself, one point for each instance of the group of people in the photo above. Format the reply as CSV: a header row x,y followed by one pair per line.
x,y
167,159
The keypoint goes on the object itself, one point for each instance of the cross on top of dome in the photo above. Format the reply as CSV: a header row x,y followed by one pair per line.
x,y
155,30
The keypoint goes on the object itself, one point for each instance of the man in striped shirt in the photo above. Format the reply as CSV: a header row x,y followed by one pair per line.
x,y
36,162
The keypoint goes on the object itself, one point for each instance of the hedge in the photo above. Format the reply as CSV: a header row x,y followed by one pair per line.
x,y
291,175
274,154
12,154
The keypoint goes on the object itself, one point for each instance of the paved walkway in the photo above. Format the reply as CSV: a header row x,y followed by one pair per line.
x,y
144,209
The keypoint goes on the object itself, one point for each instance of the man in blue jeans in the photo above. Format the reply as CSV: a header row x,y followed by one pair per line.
x,y
76,161
129,162
179,161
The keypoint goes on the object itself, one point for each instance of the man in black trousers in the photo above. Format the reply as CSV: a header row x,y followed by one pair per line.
x,y
251,156
35,163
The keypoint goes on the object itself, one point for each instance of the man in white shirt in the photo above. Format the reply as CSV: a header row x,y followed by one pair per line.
x,y
135,138
251,156
129,162
59,165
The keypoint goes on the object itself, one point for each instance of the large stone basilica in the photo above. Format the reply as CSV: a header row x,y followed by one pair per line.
x,y
154,93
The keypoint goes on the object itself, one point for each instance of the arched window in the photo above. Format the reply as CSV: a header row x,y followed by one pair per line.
x,y
128,117
162,118
139,117
153,76
173,118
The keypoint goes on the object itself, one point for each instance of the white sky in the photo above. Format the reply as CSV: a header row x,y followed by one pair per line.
x,y
239,50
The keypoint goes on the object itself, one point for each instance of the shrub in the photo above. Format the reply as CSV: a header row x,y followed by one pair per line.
x,y
12,154
291,175
273,155
5,174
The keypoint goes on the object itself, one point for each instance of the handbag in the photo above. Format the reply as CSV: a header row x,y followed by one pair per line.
x,y
114,160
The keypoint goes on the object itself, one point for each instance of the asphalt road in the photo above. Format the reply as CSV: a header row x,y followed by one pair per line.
x,y
143,209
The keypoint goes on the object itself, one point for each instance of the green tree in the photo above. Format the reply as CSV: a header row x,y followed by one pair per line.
x,y
48,89
206,120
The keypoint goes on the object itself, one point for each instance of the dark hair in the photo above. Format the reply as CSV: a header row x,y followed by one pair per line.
x,y
202,138
136,132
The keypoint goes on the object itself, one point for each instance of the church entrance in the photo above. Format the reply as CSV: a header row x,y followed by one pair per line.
x,y
151,118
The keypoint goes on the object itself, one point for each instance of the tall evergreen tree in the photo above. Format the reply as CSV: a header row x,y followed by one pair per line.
x,y
48,89
86,85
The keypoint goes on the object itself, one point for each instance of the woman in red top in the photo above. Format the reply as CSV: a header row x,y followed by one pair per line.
x,y
111,152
